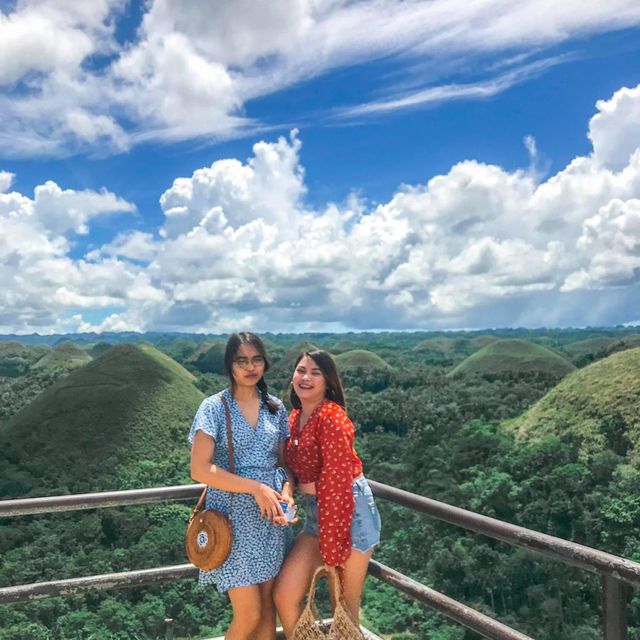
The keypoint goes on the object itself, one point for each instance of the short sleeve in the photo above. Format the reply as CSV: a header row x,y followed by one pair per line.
x,y
204,421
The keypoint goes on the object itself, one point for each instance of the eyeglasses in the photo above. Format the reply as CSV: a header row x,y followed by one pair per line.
x,y
243,363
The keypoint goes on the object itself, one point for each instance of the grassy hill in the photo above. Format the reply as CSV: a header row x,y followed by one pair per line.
x,y
209,358
200,351
342,345
590,346
284,366
120,420
441,344
99,348
505,356
631,341
361,359
65,356
599,406
16,358
477,342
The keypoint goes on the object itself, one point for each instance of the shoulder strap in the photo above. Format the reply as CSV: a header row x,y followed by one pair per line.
x,y
231,465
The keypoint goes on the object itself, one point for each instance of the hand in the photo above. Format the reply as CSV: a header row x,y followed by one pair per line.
x,y
268,502
287,496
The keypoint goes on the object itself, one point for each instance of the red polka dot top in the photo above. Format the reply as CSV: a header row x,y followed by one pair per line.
x,y
323,453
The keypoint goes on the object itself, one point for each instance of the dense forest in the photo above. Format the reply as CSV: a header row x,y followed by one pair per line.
x,y
538,428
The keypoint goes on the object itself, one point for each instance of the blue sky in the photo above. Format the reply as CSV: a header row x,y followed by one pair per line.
x,y
299,165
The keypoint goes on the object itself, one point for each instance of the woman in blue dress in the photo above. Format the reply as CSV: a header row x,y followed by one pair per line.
x,y
260,428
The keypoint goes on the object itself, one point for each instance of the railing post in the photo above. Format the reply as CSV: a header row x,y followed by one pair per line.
x,y
614,604
168,629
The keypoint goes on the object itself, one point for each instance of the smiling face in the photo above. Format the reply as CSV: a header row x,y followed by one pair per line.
x,y
248,365
309,382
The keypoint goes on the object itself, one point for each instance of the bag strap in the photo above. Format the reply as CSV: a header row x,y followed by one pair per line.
x,y
229,434
203,495
311,600
337,588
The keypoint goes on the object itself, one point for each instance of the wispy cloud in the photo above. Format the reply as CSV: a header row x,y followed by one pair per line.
x,y
192,67
455,91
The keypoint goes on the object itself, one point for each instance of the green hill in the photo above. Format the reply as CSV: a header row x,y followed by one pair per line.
x,y
285,364
99,348
209,358
477,342
342,345
517,356
588,346
65,356
200,351
441,344
361,359
16,359
599,406
179,348
120,420
632,341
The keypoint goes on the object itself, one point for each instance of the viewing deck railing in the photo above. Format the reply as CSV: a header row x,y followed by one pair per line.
x,y
617,574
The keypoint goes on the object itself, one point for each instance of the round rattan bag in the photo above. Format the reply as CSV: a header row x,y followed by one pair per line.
x,y
209,538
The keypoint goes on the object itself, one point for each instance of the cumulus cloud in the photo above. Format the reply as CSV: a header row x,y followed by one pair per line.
x,y
69,85
614,129
234,194
6,180
475,246
40,280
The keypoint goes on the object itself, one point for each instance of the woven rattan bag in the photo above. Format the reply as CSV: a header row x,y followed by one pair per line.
x,y
209,534
343,626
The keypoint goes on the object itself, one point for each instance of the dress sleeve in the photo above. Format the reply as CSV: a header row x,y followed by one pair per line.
x,y
335,495
205,420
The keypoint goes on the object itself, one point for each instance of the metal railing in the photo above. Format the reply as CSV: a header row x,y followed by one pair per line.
x,y
617,574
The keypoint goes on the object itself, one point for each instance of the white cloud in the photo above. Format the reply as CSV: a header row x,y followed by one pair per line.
x,y
476,245
6,180
61,210
47,37
191,68
135,245
615,129
446,93
234,194
40,281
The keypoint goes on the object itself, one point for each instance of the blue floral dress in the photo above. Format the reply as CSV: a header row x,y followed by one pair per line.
x,y
259,546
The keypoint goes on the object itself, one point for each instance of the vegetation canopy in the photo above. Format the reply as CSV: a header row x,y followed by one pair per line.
x,y
515,438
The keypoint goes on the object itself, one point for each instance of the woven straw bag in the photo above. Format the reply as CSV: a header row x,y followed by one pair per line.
x,y
343,626
209,534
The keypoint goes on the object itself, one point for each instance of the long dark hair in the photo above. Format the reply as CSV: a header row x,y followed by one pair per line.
x,y
230,352
326,364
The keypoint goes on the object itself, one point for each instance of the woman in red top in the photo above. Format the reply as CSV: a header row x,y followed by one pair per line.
x,y
342,524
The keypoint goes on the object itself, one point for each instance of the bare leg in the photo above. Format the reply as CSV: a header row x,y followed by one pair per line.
x,y
267,627
294,579
246,604
355,572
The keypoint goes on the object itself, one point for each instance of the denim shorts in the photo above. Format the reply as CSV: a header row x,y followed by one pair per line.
x,y
365,526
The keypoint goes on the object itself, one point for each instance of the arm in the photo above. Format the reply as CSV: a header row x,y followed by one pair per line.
x,y
202,470
290,484
335,496
284,433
